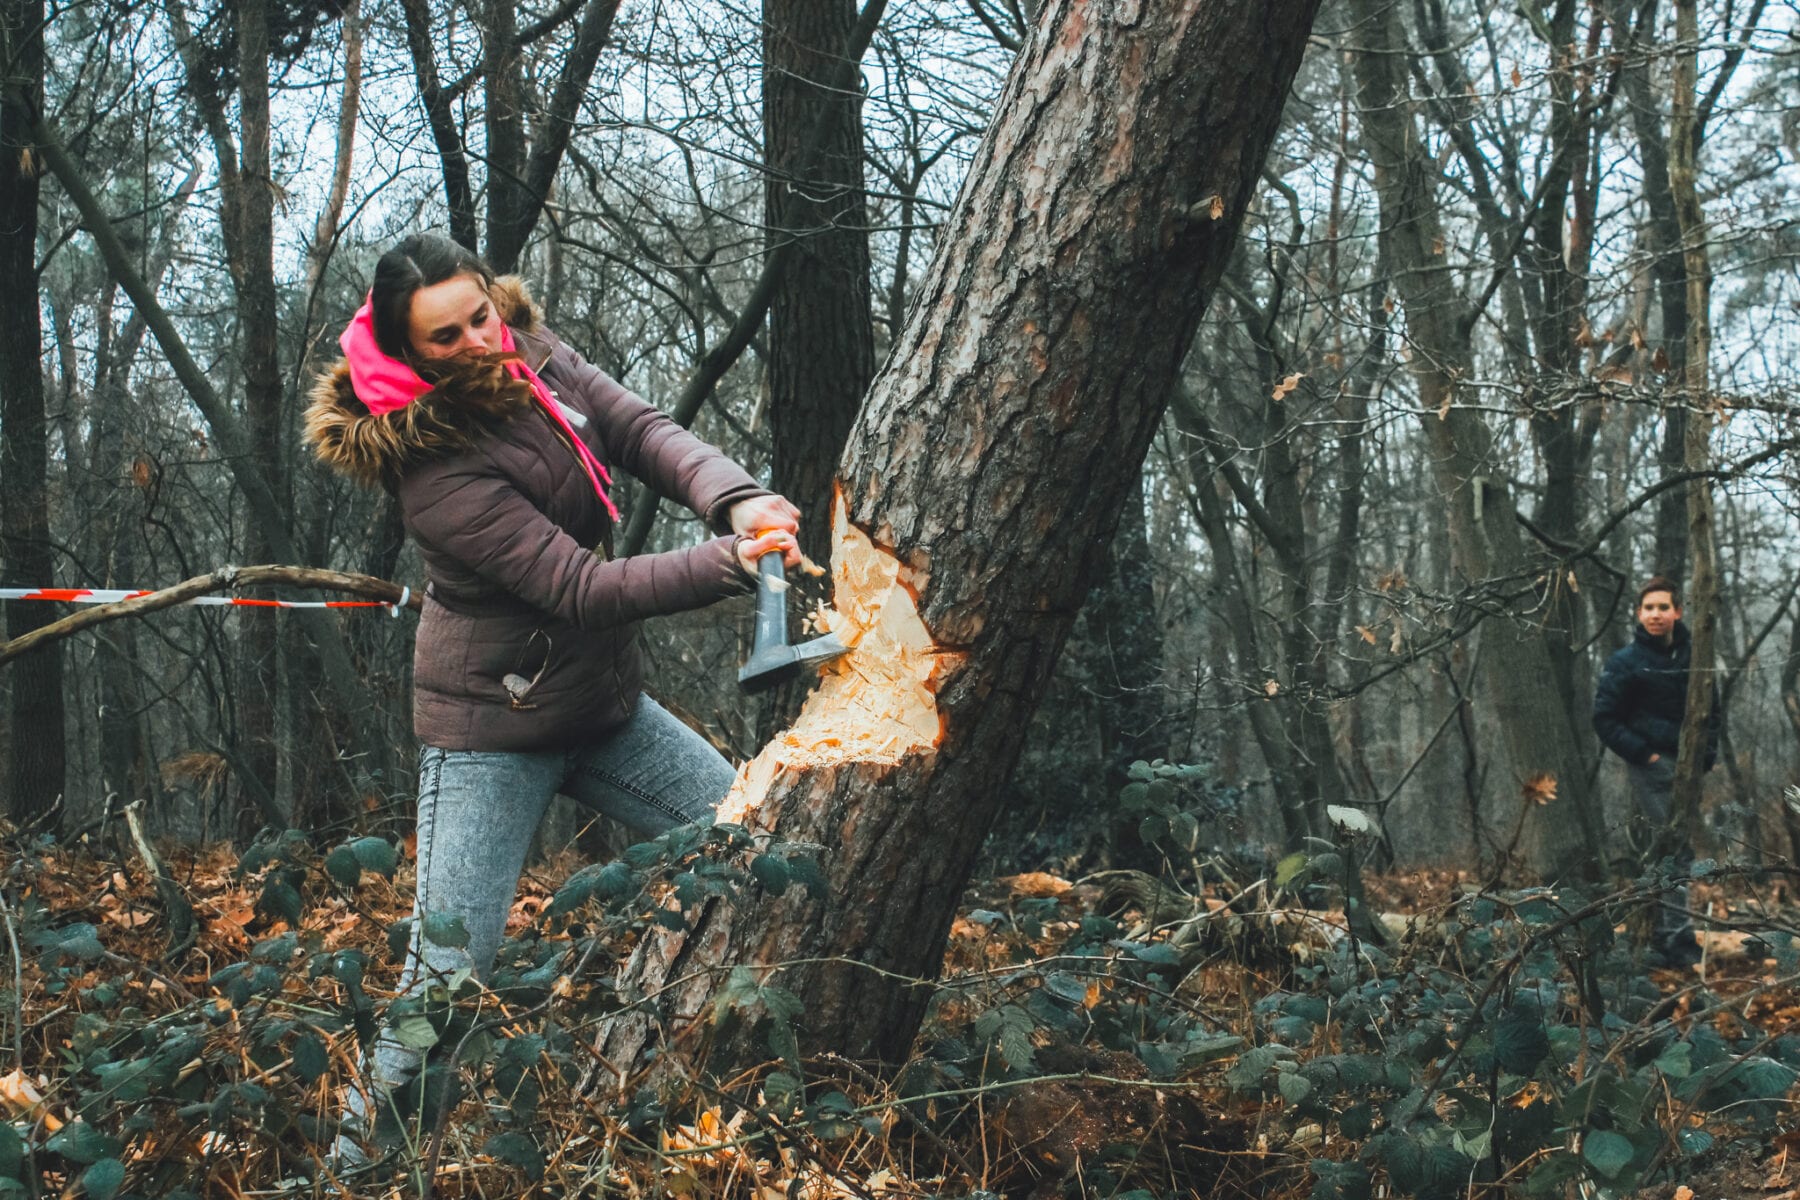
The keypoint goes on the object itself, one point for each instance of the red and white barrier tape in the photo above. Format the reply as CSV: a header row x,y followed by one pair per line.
x,y
114,595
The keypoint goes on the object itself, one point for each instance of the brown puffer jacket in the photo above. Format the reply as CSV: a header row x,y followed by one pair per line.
x,y
529,638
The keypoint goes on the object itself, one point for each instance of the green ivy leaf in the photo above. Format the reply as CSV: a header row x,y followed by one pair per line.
x,y
444,929
282,900
1549,1177
81,1143
310,1057
1339,1180
103,1180
615,881
1607,1152
399,938
1290,868
1520,1042
1675,1062
806,870
1293,1086
771,871
516,1149
414,1032
342,865
376,854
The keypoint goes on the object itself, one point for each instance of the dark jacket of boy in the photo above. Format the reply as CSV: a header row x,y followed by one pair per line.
x,y
1642,698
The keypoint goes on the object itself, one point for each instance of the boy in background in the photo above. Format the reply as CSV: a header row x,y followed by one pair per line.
x,y
1638,710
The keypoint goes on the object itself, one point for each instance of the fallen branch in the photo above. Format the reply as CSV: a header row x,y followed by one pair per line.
x,y
223,579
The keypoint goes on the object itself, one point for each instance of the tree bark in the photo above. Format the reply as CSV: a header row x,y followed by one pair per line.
x,y
33,774
1561,837
989,464
821,341
1702,606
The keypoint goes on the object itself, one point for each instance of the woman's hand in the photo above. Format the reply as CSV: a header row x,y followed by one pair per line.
x,y
759,514
769,541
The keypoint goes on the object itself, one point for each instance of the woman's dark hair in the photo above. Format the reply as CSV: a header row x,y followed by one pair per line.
x,y
1656,583
420,261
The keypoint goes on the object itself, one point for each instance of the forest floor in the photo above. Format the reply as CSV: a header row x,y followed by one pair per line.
x,y
1043,1071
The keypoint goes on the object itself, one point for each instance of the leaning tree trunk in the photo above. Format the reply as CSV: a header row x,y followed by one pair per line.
x,y
989,464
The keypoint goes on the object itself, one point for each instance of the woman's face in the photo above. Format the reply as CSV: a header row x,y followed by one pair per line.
x,y
454,319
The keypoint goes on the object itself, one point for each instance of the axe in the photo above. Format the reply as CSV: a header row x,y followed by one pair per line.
x,y
772,661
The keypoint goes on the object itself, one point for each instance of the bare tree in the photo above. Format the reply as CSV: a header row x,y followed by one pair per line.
x,y
991,459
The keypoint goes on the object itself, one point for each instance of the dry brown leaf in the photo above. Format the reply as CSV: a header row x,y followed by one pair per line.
x,y
1541,788
1684,1192
1443,409
1660,360
1393,581
1093,996
1584,334
1271,687
1217,207
1367,634
1637,338
1036,885
1287,385
1516,77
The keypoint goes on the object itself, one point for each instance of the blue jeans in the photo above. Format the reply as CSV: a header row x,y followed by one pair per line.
x,y
1652,793
478,811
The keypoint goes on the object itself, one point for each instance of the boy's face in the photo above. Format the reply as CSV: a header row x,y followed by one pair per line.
x,y
1657,613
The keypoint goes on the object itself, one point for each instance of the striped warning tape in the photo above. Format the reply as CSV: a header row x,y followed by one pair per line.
x,y
114,595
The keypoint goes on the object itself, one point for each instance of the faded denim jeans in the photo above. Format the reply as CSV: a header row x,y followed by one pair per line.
x,y
1652,792
478,811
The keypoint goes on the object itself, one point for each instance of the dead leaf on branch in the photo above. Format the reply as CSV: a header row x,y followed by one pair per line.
x,y
1286,386
1541,788
1367,634
1271,687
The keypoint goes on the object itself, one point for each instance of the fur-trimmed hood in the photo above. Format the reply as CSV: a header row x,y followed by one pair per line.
x,y
376,450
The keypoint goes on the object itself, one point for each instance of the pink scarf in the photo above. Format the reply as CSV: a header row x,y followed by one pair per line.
x,y
385,384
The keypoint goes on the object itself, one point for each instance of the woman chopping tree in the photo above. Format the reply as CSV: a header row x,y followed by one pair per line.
x,y
496,437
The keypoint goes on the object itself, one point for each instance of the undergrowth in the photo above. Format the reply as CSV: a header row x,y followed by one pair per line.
x,y
1123,1037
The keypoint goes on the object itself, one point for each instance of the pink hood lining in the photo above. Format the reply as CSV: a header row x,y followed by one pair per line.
x,y
385,384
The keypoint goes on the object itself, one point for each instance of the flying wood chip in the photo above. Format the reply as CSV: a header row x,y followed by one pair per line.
x,y
1541,788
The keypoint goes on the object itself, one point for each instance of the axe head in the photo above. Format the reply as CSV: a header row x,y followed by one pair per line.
x,y
772,666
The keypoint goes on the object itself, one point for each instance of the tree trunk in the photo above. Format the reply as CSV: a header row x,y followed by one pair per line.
x,y
33,776
821,343
1560,837
1702,607
510,228
247,212
1120,614
989,464
1635,47
453,158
